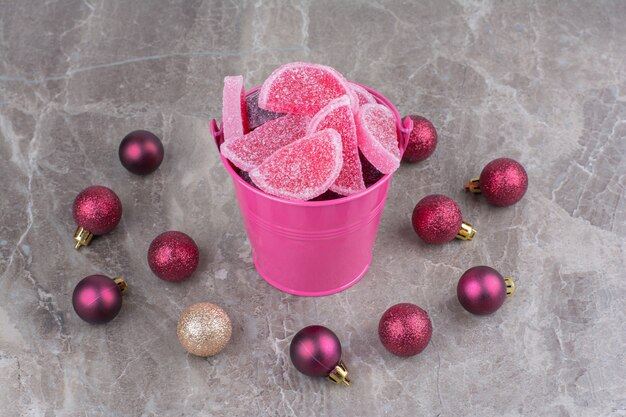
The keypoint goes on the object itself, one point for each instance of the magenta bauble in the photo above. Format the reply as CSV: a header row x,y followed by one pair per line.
x,y
316,351
98,298
482,290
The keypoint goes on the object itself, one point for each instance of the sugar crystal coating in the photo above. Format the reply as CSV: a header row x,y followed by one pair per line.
x,y
256,115
249,151
302,88
303,169
363,96
234,119
338,115
378,138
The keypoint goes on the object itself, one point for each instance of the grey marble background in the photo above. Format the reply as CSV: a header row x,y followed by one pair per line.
x,y
543,82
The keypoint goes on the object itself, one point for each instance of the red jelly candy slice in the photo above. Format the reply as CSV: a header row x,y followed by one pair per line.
x,y
249,151
301,88
234,119
302,170
377,137
338,115
363,96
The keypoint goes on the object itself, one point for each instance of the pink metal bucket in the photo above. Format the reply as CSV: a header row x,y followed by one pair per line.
x,y
313,248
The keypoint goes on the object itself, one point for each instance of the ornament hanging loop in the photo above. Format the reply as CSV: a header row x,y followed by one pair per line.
x,y
467,232
340,374
473,186
121,284
82,237
510,286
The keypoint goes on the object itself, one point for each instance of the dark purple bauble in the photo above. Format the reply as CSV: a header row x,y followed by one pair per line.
x,y
97,299
481,290
141,152
315,351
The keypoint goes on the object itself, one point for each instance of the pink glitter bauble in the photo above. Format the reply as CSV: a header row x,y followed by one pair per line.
x,y
437,219
405,329
173,256
422,140
97,209
503,182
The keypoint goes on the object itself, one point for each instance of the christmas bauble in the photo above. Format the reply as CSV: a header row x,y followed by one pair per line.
x,y
141,152
502,181
437,219
422,140
482,290
96,210
173,256
405,329
316,351
98,298
204,329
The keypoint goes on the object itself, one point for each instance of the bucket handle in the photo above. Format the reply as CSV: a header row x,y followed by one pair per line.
x,y
404,127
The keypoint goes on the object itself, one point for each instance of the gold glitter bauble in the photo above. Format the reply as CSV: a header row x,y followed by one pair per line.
x,y
204,329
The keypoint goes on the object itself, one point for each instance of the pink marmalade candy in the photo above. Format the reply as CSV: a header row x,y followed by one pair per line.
x,y
249,151
234,119
377,137
256,115
303,169
301,88
338,115
363,96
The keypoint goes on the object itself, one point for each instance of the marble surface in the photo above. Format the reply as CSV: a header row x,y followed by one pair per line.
x,y
542,82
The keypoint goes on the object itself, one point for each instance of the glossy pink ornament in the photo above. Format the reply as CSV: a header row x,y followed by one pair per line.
x,y
96,210
141,152
502,181
316,351
98,298
437,219
482,290
405,329
173,256
422,141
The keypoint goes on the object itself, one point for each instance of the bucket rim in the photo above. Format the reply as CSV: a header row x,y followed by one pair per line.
x,y
403,128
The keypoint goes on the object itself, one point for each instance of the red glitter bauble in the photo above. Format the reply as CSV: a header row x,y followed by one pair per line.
x,y
503,182
141,152
405,329
315,350
422,141
97,209
437,219
481,290
173,256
